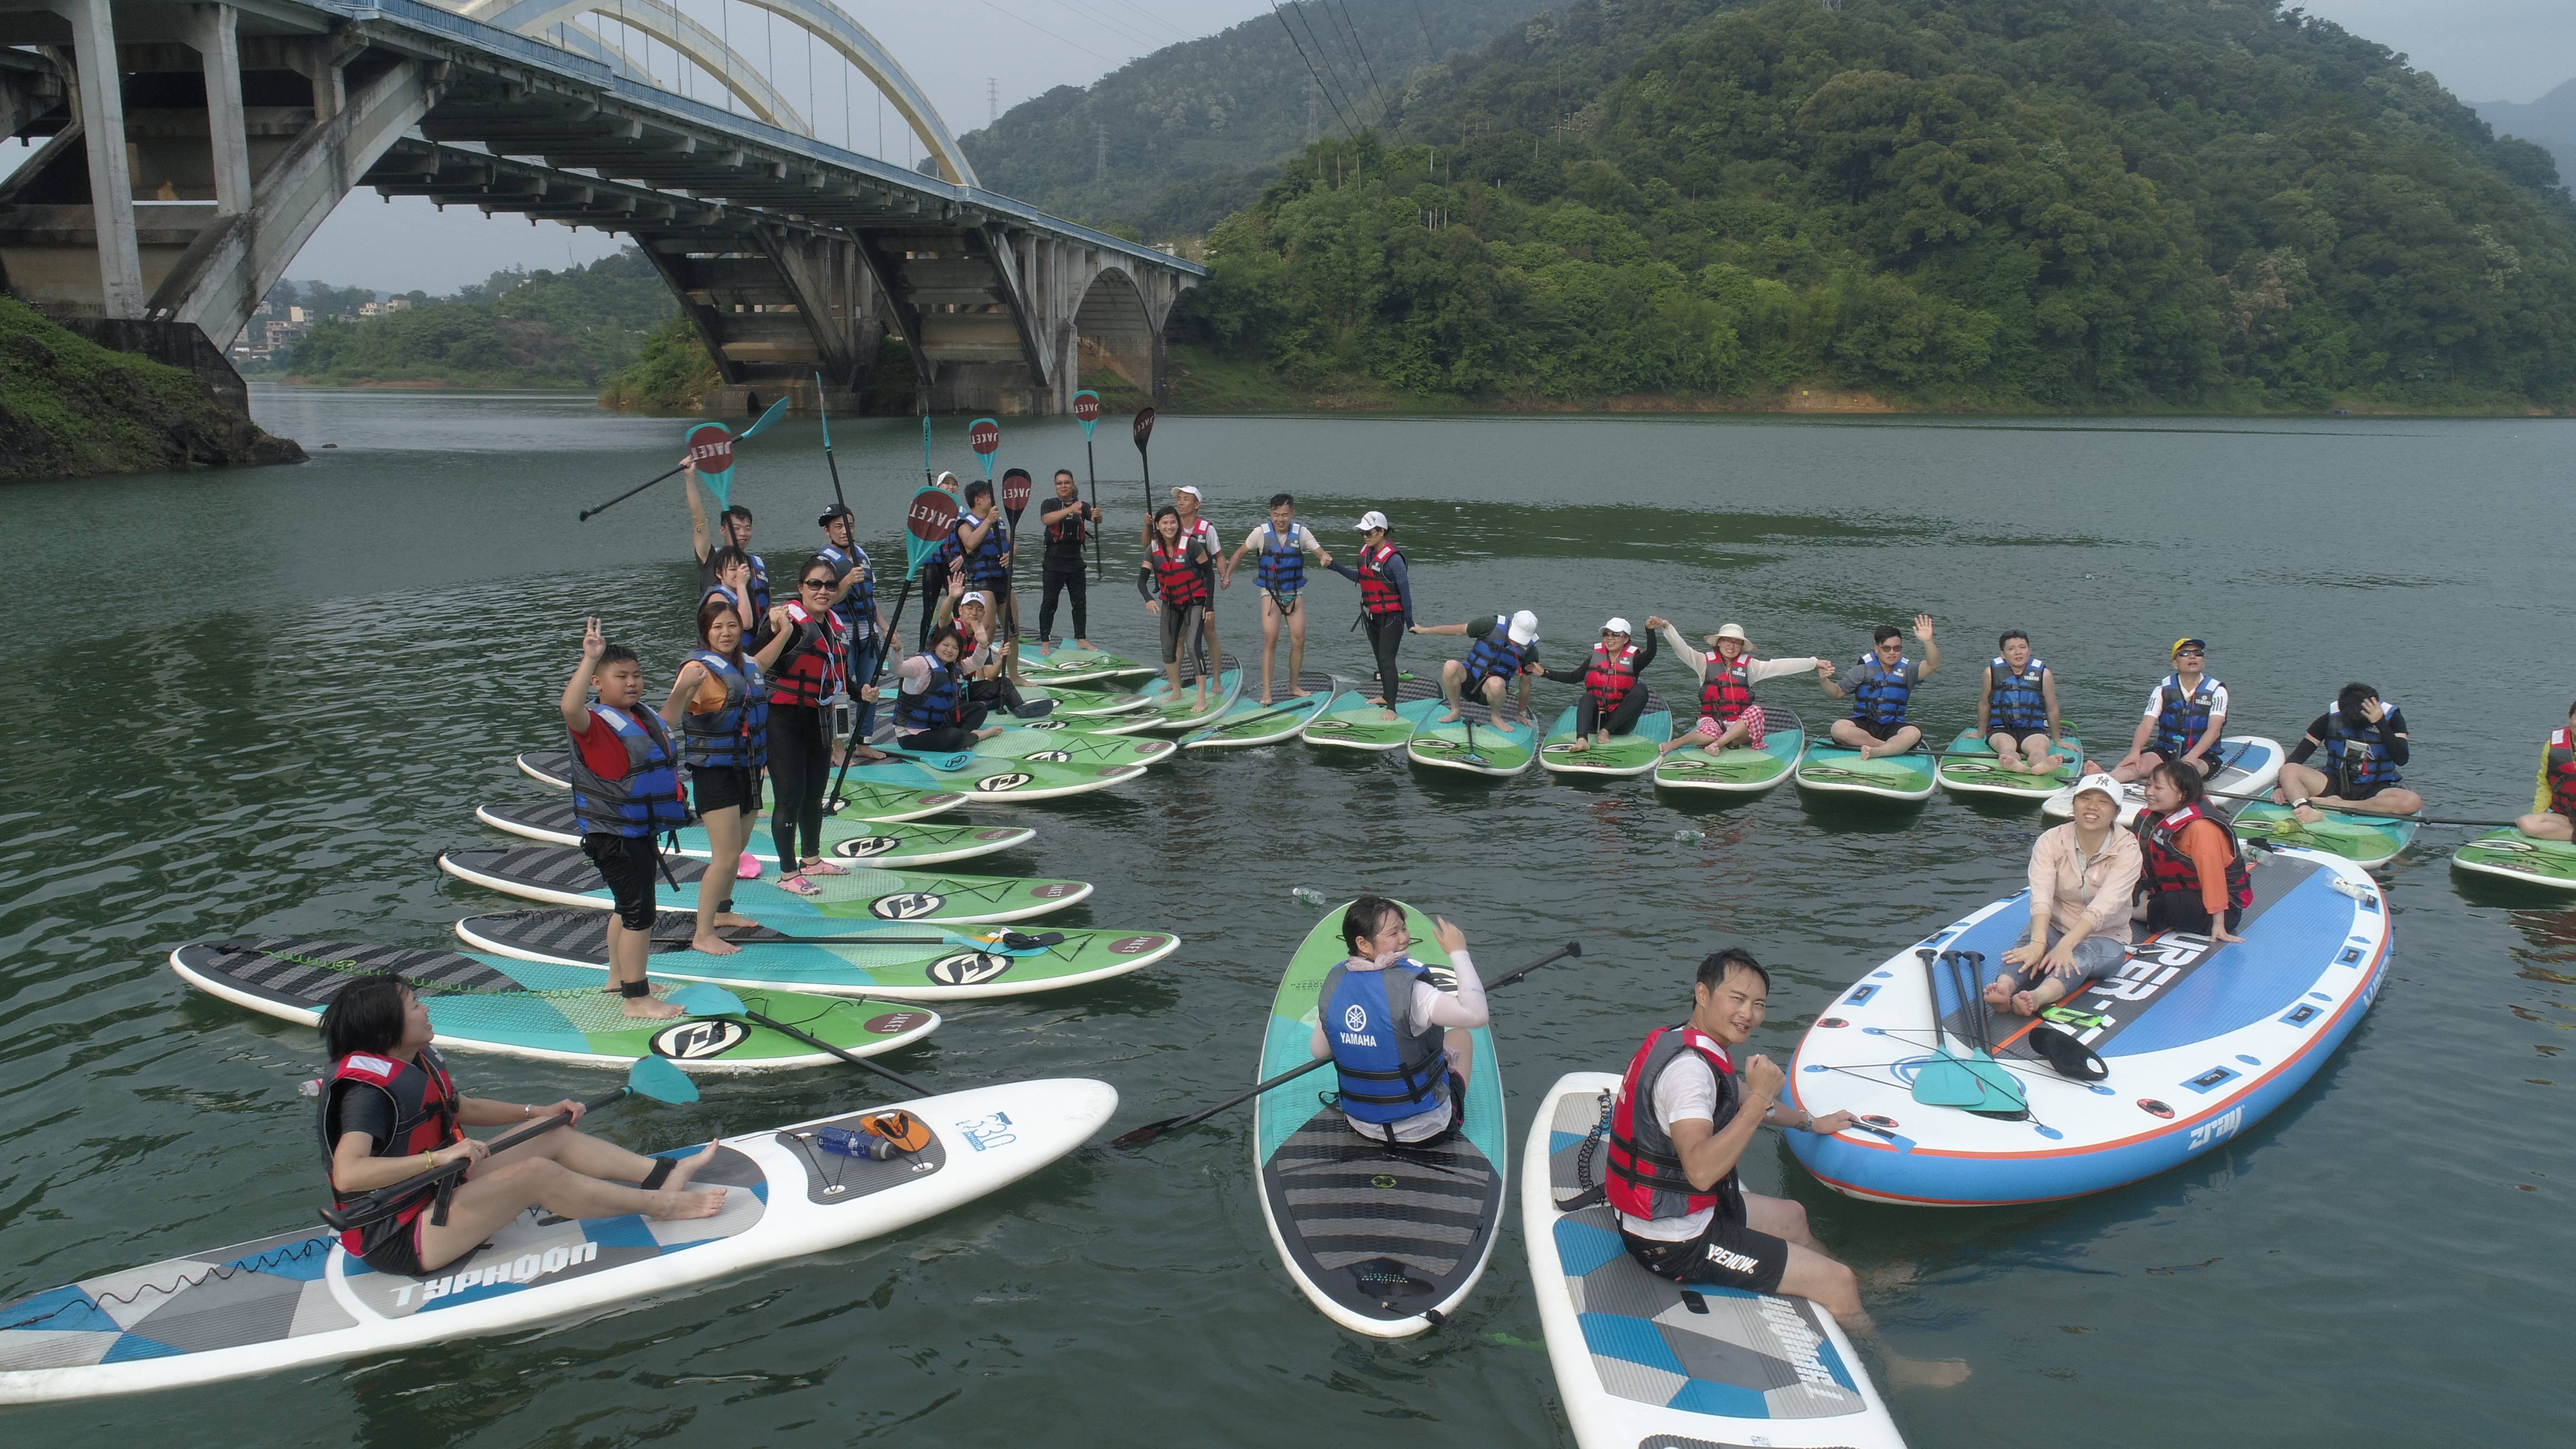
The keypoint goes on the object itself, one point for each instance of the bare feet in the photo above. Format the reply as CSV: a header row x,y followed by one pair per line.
x,y
710,944
2308,814
727,920
648,1008
688,1167
1997,993
2024,1003
1579,746
1451,717
671,1206
1921,1373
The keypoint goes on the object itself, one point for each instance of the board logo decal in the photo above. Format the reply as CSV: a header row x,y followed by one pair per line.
x,y
968,968
998,784
895,1023
906,905
992,1131
525,1268
1133,945
865,847
1055,889
1052,757
696,1041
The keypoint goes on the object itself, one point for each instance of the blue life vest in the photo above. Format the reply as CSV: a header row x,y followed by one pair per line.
x,y
2015,701
1388,1070
1495,656
2183,718
735,737
759,592
1283,563
983,562
935,707
648,800
2355,756
858,607
1879,693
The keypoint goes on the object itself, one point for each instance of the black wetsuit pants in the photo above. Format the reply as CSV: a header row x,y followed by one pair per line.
x,y
800,770
1386,634
1622,720
1068,579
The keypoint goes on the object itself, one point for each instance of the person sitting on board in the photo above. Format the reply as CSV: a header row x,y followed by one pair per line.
x,y
389,1111
931,711
720,705
986,683
2363,739
2191,875
1068,522
736,523
2083,876
2186,713
625,792
1726,675
1399,1044
2553,799
1613,699
1173,578
1386,600
732,586
1283,544
2017,708
1881,684
811,680
1506,649
1682,1121
854,598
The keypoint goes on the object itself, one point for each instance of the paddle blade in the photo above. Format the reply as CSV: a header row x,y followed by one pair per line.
x,y
1998,1089
1945,1081
777,410
705,998
1144,428
2066,1056
658,1079
1142,1135
1017,944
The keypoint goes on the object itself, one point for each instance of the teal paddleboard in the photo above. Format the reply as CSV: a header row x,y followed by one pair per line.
x,y
2365,840
1629,754
1739,769
889,847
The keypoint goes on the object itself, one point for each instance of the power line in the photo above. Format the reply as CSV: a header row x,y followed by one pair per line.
x,y
1353,27
1049,34
1430,47
1331,77
1310,68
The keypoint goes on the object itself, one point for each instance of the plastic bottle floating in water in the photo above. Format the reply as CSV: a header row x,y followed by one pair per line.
x,y
1687,836
1309,895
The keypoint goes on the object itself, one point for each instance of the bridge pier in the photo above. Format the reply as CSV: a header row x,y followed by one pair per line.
x,y
111,179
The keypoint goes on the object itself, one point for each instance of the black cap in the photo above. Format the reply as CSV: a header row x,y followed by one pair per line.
x,y
1017,473
837,510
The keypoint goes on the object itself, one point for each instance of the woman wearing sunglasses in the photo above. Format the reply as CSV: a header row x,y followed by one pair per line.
x,y
812,677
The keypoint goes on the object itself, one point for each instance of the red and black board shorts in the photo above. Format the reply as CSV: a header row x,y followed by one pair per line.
x,y
1728,1254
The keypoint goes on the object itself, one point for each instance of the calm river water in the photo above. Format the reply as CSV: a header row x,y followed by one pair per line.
x,y
261,701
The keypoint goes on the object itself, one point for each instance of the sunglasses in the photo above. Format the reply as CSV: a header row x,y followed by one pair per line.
x,y
815,583
2191,654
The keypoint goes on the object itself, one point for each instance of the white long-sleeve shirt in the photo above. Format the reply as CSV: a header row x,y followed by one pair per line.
x,y
1755,671
1465,1008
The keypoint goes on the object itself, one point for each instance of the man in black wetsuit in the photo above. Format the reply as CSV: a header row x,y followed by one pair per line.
x,y
2358,745
1068,522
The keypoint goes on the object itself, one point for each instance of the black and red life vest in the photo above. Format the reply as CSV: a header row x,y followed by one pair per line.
x,y
1646,1179
2560,766
1726,690
1609,679
1378,594
1177,577
424,1101
2168,871
817,666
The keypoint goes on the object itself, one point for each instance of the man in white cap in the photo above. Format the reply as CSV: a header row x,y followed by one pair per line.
x,y
1506,649
2082,874
1613,696
1728,717
1386,599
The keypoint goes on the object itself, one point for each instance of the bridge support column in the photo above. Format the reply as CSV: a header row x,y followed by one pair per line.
x,y
111,178
218,45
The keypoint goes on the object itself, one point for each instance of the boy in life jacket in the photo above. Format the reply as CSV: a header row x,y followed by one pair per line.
x,y
2553,800
2017,708
2358,744
1399,1044
2186,714
390,1112
1728,717
1880,686
2191,874
625,792
749,589
1282,544
1686,1113
1614,692
1506,649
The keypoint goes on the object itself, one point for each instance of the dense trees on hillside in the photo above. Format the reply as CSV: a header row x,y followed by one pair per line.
x,y
531,329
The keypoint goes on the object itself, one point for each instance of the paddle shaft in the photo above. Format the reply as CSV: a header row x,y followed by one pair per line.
x,y
874,941
622,497
891,1075
828,461
372,1205
1091,467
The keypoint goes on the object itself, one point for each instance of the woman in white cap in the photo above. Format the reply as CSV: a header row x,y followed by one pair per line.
x,y
1386,599
988,685
1506,649
1173,579
2082,874
1726,675
1613,697
1200,533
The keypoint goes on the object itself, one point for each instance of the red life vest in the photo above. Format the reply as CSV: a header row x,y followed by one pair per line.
x,y
816,667
2169,871
2561,769
1378,593
1176,576
1726,690
1608,679
424,1100
1646,1179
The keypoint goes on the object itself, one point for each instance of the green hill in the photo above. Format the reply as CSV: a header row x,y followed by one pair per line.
x,y
2126,204
520,329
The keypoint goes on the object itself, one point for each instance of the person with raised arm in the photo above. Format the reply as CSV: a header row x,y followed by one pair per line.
x,y
720,705
625,793
1399,1044
1882,684
1728,717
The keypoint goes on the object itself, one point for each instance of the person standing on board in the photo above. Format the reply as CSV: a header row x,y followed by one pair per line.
x,y
1881,685
1728,717
2358,745
1068,522
1200,533
812,678
1684,1117
1506,650
2017,708
736,522
1614,694
720,705
2186,713
1283,544
1174,581
1399,1044
625,792
1386,600
2553,799
854,599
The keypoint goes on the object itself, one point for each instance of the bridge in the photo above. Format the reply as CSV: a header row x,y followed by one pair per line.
x,y
182,191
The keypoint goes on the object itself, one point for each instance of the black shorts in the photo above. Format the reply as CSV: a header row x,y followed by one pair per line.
x,y
2344,790
628,863
1728,1254
1878,731
2181,911
2018,732
394,1247
725,787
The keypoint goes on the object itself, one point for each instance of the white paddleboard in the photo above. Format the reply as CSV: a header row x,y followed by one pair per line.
x,y
2249,765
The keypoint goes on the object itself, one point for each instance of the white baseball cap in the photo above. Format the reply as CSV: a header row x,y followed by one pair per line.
x,y
1372,519
974,596
1524,628
2109,787
1617,626
1193,492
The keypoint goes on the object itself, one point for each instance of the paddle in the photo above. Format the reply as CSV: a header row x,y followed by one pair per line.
x,y
826,414
1946,1081
1994,1079
705,998
1086,408
629,493
926,521
1151,1130
719,480
1143,430
650,1077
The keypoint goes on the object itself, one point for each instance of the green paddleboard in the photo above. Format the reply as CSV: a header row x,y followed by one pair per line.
x,y
1051,743
1357,721
1738,770
2364,840
2512,855
1971,767
1833,770
1073,701
567,878
884,793
1182,711
1251,722
1482,750
890,847
1070,664
1629,754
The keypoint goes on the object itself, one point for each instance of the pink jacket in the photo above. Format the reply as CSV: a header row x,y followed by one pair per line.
x,y
2092,900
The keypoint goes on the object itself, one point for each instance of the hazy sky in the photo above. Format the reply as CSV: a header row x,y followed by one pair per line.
x,y
2483,50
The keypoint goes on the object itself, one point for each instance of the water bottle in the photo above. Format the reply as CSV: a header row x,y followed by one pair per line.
x,y
1687,836
1309,895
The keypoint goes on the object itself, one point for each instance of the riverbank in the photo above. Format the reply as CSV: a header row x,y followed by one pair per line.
x,y
70,408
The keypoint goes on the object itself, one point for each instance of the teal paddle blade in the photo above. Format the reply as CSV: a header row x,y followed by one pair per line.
x,y
705,998
776,411
1945,1081
658,1079
1998,1089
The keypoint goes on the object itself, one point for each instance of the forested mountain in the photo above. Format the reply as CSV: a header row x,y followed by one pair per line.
x,y
2549,121
1195,130
518,329
1983,203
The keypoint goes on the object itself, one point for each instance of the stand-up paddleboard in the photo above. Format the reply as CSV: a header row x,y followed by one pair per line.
x,y
890,795
1075,702
1629,754
1072,664
1829,769
1250,722
1643,1361
837,956
2248,766
296,1298
1001,777
1386,1241
1971,767
1182,712
2508,854
2201,1041
889,847
1472,743
1738,769
1050,742
562,877
2365,840
1357,721
531,1009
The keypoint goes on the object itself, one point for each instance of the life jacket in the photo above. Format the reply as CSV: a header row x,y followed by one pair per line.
x,y
2560,765
1177,577
817,668
1879,693
1388,1070
1066,525
1378,593
858,607
648,800
1608,680
2183,718
2355,755
1283,561
424,1100
2168,871
2013,699
1495,656
1645,1177
735,736
936,707
1726,690
983,561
